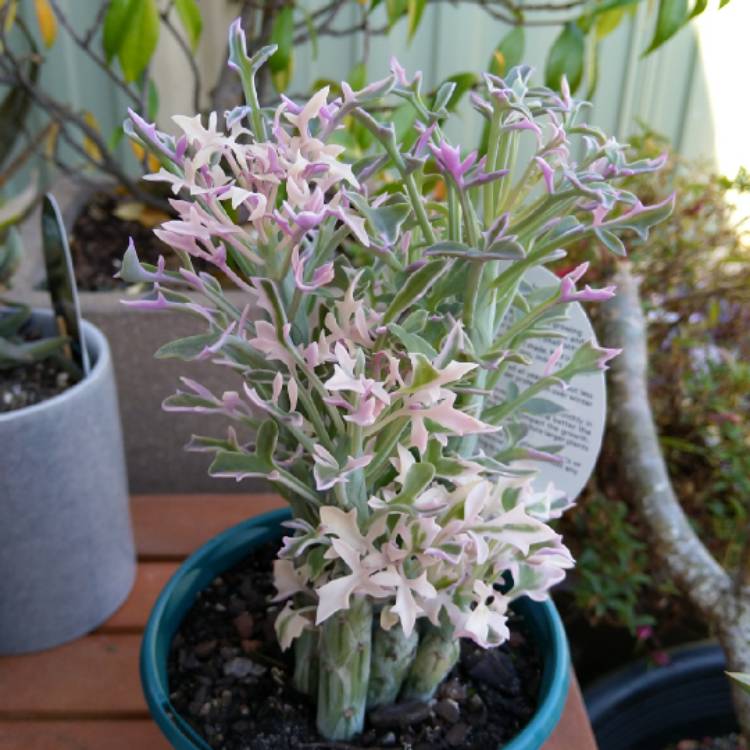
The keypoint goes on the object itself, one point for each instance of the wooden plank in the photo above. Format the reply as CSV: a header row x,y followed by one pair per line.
x,y
170,527
133,614
574,730
92,677
81,735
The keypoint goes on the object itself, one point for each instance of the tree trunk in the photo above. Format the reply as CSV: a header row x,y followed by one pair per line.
x,y
734,635
725,606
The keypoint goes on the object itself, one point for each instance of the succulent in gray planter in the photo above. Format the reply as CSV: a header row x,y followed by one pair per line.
x,y
66,547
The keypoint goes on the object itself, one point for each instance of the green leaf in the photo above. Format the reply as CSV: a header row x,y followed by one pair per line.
x,y
611,241
13,318
115,27
238,465
115,137
357,77
17,207
722,3
449,247
566,58
152,105
742,679
205,444
672,16
140,38
190,18
395,9
424,374
509,52
417,478
698,8
415,321
540,407
416,285
464,83
510,252
415,9
444,95
606,23
508,248
647,218
385,220
265,441
403,119
187,348
282,35
12,354
627,4
412,341
11,252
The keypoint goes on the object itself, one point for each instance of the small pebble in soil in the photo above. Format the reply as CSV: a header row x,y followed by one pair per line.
x,y
240,667
449,710
231,682
31,384
399,714
243,624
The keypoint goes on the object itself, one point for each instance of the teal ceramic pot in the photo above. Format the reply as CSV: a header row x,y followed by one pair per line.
x,y
229,548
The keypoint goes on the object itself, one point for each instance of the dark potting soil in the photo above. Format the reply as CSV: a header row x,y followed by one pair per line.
x,y
33,383
99,239
229,679
30,384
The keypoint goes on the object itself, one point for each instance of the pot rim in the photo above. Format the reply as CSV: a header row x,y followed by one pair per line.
x,y
99,354
553,687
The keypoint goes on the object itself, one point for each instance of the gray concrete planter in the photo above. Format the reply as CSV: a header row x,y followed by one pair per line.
x,y
154,440
67,560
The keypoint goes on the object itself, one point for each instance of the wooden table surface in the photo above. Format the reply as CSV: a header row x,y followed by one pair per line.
x,y
86,695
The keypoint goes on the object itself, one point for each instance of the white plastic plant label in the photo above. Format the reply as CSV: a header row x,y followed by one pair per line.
x,y
579,425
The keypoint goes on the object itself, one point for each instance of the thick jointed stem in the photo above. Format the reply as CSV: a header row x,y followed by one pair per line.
x,y
305,678
436,656
344,653
392,655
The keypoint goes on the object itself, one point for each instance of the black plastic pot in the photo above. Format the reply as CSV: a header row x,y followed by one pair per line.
x,y
643,707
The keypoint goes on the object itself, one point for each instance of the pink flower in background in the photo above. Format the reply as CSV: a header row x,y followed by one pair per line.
x,y
644,632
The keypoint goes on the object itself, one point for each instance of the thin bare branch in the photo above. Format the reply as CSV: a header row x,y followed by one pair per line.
x,y
88,37
29,151
84,45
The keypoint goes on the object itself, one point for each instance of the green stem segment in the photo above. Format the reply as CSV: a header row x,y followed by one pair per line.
x,y
436,656
344,653
305,678
392,655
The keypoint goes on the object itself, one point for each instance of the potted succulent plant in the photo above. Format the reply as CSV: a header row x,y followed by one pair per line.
x,y
66,547
383,380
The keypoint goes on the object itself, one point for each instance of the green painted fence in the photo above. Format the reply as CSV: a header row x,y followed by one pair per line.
x,y
666,90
